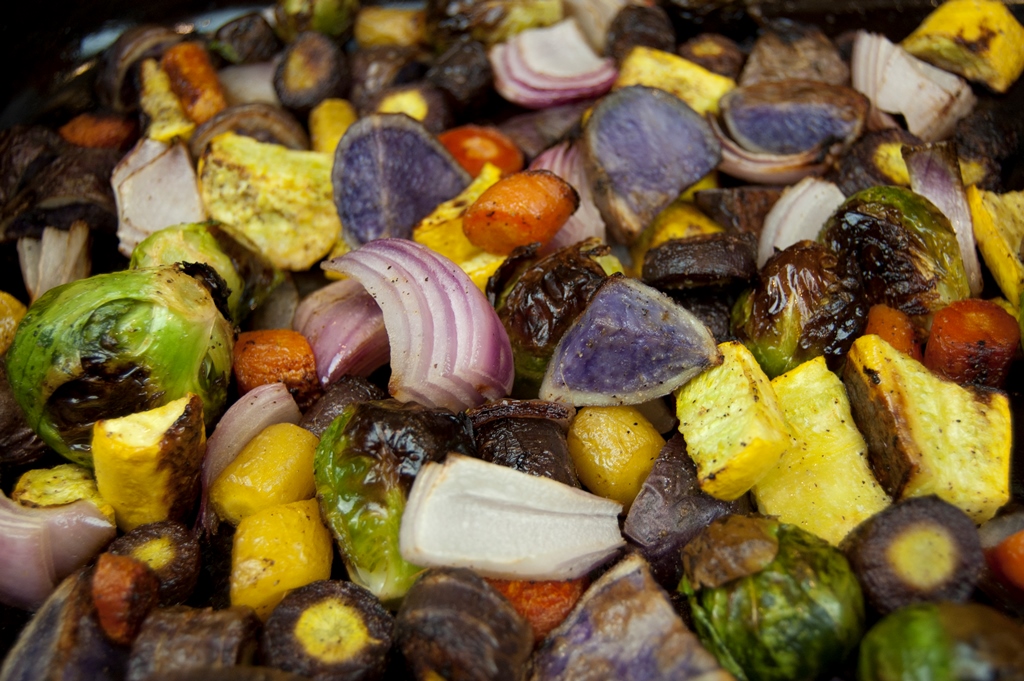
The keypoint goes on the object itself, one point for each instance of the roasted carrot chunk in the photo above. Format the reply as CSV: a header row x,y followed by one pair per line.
x,y
474,145
99,131
544,604
124,590
1008,557
194,81
277,355
520,209
973,341
895,328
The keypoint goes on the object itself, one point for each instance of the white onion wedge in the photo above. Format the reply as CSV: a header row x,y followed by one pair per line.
x,y
798,214
448,347
504,523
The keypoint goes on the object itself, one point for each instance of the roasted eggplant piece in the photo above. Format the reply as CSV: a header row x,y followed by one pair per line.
x,y
329,629
708,260
170,550
345,391
670,510
920,549
646,25
24,151
527,436
625,159
787,49
464,72
312,69
739,209
624,627
181,638
249,39
455,625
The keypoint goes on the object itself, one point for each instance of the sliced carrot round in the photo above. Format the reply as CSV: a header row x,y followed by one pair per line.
x,y
474,145
973,341
523,208
895,328
1009,555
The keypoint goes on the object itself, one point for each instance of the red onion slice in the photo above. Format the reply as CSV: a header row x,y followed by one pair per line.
x,y
261,407
765,168
448,347
345,328
798,214
934,172
566,161
45,545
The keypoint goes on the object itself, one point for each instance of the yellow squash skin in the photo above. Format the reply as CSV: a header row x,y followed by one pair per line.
x,y
927,435
276,550
999,228
167,118
734,428
63,484
276,467
823,483
978,39
11,312
690,82
147,464
328,122
613,449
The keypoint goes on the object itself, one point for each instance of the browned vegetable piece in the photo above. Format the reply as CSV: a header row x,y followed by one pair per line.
x,y
526,435
699,261
124,590
895,328
24,151
788,49
920,549
729,548
420,101
19,444
274,355
194,81
311,70
874,159
180,638
544,604
535,131
464,72
246,40
261,121
455,625
170,550
115,80
715,52
670,510
983,142
973,341
712,306
740,209
329,629
64,641
345,391
99,131
646,25
378,68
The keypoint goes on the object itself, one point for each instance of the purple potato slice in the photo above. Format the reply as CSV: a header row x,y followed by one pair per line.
x,y
390,173
643,147
632,344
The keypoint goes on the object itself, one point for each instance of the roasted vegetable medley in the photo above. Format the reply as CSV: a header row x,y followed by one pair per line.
x,y
533,339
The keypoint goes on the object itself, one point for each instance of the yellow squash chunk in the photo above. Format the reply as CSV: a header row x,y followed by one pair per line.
x,y
11,312
978,39
276,550
279,199
823,482
147,464
382,26
328,122
613,449
678,220
60,485
441,231
276,467
734,428
167,118
690,82
927,435
999,229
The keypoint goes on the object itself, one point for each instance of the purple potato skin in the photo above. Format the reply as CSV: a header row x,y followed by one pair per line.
x,y
670,510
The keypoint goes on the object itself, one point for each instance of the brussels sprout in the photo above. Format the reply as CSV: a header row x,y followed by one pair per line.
x,y
802,307
330,17
249,277
364,467
538,300
942,642
116,344
901,247
771,601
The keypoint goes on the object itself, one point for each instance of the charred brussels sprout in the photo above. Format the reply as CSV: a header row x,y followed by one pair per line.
x,y
802,307
330,17
901,247
116,344
364,467
771,601
538,300
942,641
